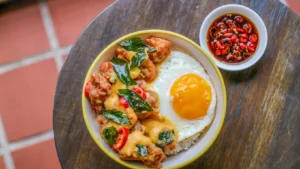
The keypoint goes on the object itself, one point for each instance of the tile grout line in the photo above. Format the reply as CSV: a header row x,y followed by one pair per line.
x,y
8,160
20,144
51,35
32,59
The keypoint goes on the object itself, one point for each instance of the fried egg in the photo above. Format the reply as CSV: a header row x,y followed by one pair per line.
x,y
187,95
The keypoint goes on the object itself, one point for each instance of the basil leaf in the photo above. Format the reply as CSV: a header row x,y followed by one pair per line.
x,y
116,116
137,103
135,44
165,138
122,71
138,58
142,150
110,134
132,44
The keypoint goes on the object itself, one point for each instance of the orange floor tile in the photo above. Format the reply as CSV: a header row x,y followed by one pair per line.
x,y
22,34
38,156
26,100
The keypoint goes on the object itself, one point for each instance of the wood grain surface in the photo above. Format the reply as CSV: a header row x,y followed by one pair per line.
x,y
262,125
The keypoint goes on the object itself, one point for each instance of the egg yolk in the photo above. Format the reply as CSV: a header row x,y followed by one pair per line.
x,y
191,96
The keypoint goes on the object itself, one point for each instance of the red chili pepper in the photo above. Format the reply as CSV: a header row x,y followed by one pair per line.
x,y
234,39
240,30
227,35
229,56
239,19
245,36
223,52
219,46
218,52
243,46
253,38
123,102
123,133
140,91
229,22
212,45
247,27
243,40
251,46
87,88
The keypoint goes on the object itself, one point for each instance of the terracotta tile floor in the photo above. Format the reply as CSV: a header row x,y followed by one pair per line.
x,y
29,66
1,162
35,41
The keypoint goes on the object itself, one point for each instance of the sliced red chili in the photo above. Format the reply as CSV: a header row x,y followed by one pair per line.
x,y
243,35
251,46
240,30
219,45
140,91
228,38
123,102
253,38
234,39
239,19
229,22
243,46
218,52
227,35
123,133
224,52
229,56
87,88
243,40
213,45
248,28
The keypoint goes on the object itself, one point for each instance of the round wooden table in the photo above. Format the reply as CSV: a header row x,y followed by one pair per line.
x,y
261,129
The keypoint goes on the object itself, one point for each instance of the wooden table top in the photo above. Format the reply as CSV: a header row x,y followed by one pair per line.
x,y
262,125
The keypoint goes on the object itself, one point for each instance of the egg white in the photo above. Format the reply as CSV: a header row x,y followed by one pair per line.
x,y
175,66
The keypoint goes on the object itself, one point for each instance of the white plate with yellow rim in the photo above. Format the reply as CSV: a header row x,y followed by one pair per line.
x,y
208,137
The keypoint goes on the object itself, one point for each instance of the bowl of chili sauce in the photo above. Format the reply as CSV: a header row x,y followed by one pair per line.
x,y
235,37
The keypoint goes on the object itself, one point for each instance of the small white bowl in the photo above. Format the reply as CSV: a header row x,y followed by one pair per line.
x,y
244,11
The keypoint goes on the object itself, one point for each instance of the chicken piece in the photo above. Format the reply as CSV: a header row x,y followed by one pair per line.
x,y
124,54
107,71
102,120
148,70
121,53
162,46
152,98
99,89
154,156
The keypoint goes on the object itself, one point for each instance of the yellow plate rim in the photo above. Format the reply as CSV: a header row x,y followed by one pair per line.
x,y
149,32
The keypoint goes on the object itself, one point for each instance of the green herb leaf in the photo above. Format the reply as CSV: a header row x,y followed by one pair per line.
x,y
137,103
135,44
165,138
132,44
116,116
110,134
138,59
122,71
142,150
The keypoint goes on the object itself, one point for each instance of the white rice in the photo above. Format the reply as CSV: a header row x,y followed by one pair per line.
x,y
184,144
